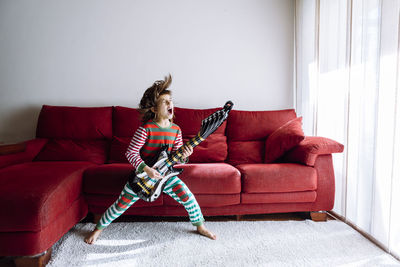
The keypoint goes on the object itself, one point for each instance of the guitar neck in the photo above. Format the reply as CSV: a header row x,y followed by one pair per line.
x,y
177,155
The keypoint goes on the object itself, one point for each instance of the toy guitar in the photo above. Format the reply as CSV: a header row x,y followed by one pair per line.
x,y
150,189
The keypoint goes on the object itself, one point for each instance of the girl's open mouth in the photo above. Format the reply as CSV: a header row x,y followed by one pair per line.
x,y
170,110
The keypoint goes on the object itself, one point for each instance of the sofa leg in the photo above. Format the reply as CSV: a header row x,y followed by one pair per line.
x,y
318,216
37,260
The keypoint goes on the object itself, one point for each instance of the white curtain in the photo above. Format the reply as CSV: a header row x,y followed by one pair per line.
x,y
347,89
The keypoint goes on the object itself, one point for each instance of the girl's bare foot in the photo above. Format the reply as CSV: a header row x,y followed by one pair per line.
x,y
92,237
203,231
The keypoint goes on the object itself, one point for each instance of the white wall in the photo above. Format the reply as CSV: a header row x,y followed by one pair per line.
x,y
98,52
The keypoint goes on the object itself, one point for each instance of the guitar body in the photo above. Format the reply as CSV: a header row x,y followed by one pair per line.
x,y
150,189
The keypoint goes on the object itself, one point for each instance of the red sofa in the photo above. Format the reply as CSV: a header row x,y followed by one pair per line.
x,y
77,165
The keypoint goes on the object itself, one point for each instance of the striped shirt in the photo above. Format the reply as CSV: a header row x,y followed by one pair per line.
x,y
149,139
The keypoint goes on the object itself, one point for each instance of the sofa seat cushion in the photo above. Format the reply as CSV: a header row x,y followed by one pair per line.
x,y
203,178
103,184
211,178
107,179
34,194
282,177
107,182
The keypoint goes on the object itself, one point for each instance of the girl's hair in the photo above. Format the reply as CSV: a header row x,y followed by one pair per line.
x,y
151,95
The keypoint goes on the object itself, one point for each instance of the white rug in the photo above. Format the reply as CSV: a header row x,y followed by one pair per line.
x,y
239,243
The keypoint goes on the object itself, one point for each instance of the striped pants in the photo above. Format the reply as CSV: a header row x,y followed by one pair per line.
x,y
174,187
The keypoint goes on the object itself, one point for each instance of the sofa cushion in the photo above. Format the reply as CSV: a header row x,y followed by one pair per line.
x,y
118,148
282,177
283,139
34,194
255,125
74,133
211,178
214,148
246,152
252,126
74,150
104,183
190,120
204,178
125,121
108,179
218,181
74,122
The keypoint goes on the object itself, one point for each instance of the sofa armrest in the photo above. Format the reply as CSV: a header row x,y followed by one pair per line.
x,y
11,148
307,151
32,148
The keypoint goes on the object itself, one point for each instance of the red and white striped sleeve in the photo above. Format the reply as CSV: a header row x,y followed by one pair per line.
x,y
132,153
178,141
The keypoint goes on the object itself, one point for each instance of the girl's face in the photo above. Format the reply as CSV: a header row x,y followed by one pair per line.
x,y
165,107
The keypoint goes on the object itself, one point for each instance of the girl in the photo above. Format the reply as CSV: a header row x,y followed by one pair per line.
x,y
157,131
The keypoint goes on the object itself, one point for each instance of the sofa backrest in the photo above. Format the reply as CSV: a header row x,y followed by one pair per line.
x,y
74,133
247,131
127,120
102,134
214,148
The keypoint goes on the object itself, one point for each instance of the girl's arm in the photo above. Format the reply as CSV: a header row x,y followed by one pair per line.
x,y
132,153
187,150
178,142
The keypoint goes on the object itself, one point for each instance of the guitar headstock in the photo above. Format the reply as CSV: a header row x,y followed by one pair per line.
x,y
212,122
228,106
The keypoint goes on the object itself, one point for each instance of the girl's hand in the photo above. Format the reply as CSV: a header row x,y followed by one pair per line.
x,y
186,151
152,173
